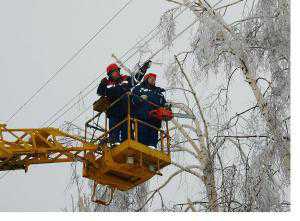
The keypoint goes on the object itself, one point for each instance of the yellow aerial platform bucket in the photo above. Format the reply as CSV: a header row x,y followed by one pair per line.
x,y
129,164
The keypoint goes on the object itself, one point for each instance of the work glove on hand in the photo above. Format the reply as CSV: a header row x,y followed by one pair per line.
x,y
145,66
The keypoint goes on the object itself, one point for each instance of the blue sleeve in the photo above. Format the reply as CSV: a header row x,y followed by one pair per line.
x,y
138,76
136,95
163,101
115,91
101,91
158,97
162,97
131,82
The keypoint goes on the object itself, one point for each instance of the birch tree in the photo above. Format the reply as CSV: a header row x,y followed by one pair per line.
x,y
240,160
255,47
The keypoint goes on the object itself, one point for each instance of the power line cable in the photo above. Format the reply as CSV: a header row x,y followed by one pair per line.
x,y
70,107
69,61
153,55
7,172
88,108
93,81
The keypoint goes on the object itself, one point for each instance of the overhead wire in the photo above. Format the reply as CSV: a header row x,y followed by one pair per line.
x,y
153,55
3,175
65,64
76,54
88,108
80,92
94,80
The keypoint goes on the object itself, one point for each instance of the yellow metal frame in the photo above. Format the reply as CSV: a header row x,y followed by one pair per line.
x,y
20,148
113,169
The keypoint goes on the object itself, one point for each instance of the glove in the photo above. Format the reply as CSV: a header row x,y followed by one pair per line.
x,y
145,66
148,63
161,114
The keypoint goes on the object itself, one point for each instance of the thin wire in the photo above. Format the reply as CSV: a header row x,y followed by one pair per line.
x,y
80,114
69,61
88,108
158,51
65,105
5,174
70,107
93,81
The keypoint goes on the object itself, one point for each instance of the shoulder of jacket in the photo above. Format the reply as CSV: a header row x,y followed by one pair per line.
x,y
160,89
104,80
124,77
137,88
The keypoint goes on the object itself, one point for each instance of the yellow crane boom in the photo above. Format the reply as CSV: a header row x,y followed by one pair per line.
x,y
20,148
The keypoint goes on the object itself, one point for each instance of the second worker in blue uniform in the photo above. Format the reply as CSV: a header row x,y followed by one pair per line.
x,y
146,98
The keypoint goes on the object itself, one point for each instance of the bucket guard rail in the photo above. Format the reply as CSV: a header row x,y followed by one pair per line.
x,y
115,170
132,123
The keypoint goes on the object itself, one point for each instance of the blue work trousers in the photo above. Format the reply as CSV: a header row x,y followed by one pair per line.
x,y
118,134
147,135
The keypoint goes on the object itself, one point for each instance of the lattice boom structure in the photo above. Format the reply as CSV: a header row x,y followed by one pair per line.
x,y
20,148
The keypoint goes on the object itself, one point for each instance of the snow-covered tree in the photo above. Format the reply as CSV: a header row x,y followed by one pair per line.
x,y
254,142
231,75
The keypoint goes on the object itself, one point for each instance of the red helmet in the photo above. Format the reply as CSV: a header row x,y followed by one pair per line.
x,y
112,67
149,75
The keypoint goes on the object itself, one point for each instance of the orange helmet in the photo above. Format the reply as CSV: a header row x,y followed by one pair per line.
x,y
112,67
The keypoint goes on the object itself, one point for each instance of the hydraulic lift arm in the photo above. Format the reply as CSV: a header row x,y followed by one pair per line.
x,y
20,148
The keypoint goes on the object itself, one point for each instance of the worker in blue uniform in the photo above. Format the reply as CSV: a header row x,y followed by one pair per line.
x,y
146,98
113,87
